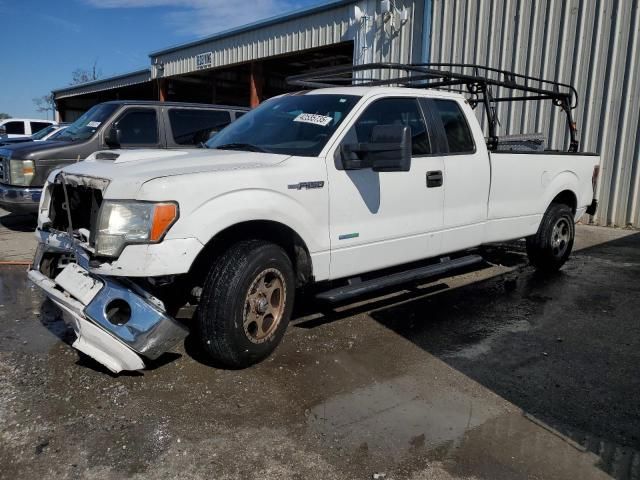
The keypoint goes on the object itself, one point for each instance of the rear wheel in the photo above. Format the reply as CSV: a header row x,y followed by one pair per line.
x,y
551,246
246,303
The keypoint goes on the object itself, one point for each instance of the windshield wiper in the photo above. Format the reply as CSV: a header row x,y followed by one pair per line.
x,y
241,146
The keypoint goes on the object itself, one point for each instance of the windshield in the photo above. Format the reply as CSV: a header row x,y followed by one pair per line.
x,y
43,133
290,125
58,134
84,127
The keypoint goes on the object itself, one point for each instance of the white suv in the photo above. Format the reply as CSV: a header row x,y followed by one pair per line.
x,y
22,127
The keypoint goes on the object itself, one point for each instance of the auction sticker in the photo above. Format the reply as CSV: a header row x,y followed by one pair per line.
x,y
93,124
314,119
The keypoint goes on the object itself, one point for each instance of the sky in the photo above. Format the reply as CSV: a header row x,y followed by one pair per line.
x,y
44,41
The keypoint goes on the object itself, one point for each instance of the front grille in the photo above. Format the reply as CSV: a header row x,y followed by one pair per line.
x,y
84,203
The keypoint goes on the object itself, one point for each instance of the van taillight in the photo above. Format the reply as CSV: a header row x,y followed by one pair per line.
x,y
594,177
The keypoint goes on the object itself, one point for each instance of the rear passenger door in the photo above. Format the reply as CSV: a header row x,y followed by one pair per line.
x,y
466,173
189,127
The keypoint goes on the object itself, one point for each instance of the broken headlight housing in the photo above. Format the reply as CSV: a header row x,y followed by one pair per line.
x,y
122,223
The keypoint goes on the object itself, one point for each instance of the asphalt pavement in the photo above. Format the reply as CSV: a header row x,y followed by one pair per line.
x,y
17,242
498,373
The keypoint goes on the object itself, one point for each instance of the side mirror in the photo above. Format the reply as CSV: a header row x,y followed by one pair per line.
x,y
112,136
388,151
3,131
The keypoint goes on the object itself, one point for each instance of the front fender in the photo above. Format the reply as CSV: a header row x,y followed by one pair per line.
x,y
308,220
246,205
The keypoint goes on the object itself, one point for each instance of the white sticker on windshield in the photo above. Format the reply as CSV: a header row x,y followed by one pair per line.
x,y
314,119
93,124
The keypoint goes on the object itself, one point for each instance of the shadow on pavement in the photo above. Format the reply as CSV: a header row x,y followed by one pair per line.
x,y
564,348
17,222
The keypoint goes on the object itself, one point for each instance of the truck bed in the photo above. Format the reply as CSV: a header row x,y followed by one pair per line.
x,y
524,183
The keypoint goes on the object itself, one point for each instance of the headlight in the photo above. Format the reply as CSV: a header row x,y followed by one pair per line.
x,y
21,172
125,222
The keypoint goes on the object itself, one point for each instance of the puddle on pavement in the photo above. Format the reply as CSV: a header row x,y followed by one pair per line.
x,y
404,425
393,417
32,324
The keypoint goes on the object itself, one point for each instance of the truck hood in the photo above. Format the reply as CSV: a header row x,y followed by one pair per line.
x,y
30,149
127,169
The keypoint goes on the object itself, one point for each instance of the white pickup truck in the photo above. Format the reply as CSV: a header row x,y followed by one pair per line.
x,y
351,189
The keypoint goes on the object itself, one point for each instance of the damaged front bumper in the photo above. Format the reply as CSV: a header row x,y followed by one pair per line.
x,y
116,322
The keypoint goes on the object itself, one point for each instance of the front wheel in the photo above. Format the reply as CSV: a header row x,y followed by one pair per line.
x,y
246,303
551,246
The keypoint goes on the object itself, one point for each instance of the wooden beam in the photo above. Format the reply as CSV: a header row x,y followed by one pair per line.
x,y
162,89
256,82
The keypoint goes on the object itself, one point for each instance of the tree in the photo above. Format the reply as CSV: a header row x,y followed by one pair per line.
x,y
4,116
45,104
84,75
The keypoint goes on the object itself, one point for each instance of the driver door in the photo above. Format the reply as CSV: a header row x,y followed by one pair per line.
x,y
380,219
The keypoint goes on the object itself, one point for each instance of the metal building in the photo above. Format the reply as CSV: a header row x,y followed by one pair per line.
x,y
244,65
590,44
73,101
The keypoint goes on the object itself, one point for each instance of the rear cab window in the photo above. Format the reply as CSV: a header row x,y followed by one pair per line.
x,y
37,126
195,126
454,125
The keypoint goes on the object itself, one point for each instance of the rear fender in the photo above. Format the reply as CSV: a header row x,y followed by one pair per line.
x,y
563,181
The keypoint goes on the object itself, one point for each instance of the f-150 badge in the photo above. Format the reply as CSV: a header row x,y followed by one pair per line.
x,y
306,185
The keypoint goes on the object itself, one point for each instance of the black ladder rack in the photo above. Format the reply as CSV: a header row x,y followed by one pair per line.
x,y
475,80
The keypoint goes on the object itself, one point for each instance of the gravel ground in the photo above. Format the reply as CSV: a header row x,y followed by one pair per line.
x,y
494,374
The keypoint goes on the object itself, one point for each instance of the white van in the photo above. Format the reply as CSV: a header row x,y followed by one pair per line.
x,y
22,127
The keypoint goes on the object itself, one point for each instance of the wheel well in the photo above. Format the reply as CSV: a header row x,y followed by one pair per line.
x,y
268,230
567,197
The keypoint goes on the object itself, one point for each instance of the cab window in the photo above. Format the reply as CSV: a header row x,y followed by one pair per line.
x,y
455,126
393,111
14,128
195,126
37,126
139,127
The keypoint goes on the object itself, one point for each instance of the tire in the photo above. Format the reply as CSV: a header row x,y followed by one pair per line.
x,y
246,303
550,248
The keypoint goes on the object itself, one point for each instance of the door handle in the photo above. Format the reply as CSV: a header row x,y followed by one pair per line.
x,y
434,179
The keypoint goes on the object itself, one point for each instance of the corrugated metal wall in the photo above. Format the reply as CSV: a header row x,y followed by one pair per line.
x,y
592,44
383,39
